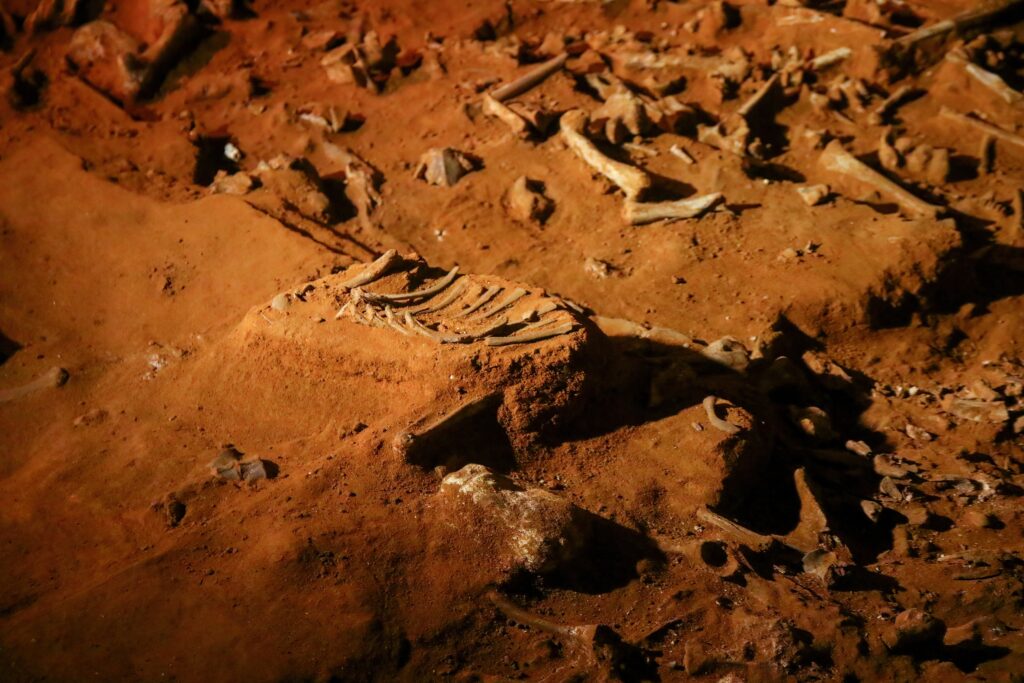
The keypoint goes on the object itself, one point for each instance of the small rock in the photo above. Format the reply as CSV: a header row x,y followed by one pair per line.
x,y
918,434
872,510
443,166
977,410
525,201
729,352
858,447
234,183
813,194
226,464
253,470
885,466
598,268
281,302
823,564
813,421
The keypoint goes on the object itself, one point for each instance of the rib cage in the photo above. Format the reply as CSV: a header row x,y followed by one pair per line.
x,y
452,308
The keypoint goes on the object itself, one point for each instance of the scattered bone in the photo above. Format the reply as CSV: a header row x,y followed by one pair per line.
x,y
728,351
889,156
970,19
984,126
631,180
438,285
682,154
838,160
420,328
373,271
751,106
517,123
987,79
813,421
53,378
525,201
977,410
531,79
107,59
739,534
889,105
717,422
234,183
813,194
443,166
828,59
622,115
640,213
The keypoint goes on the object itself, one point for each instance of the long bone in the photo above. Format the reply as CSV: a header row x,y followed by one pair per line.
x,y
987,79
892,103
527,336
433,289
520,126
389,315
639,213
983,126
530,79
374,271
967,20
416,326
430,428
630,179
838,160
513,297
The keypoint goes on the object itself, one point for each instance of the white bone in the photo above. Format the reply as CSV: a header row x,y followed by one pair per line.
x,y
637,213
629,179
838,160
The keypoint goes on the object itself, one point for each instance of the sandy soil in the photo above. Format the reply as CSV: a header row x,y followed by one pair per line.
x,y
254,427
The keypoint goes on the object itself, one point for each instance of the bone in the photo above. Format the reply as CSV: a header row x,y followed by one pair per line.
x,y
987,79
631,180
438,286
488,294
529,335
717,422
740,534
389,315
513,297
429,429
447,300
899,96
967,20
420,328
52,378
531,79
639,213
983,126
830,59
374,271
621,115
584,633
838,160
343,310
678,151
758,98
517,123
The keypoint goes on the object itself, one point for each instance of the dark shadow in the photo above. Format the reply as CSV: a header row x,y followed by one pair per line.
x,y
963,167
969,655
8,347
473,435
210,159
193,50
767,170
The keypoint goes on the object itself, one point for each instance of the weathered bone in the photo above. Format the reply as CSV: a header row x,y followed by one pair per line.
x,y
432,307
343,310
967,20
757,98
421,433
829,59
639,213
740,534
530,334
531,79
717,422
838,160
374,271
433,289
678,151
630,179
515,296
517,123
983,126
892,103
416,326
54,377
987,79
389,315
488,294
443,166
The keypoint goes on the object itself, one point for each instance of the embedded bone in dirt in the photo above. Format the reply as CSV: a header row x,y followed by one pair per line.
x,y
640,213
837,160
631,180
443,166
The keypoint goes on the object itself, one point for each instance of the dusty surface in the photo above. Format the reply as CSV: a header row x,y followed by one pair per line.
x,y
831,491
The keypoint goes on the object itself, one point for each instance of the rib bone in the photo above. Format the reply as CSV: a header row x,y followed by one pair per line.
x,y
969,19
630,179
838,160
432,307
988,79
419,293
527,336
488,294
638,213
374,271
515,296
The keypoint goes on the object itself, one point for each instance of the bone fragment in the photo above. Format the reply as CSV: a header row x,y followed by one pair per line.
x,y
639,213
838,160
717,422
429,430
488,294
757,98
892,103
629,179
740,534
830,58
678,151
374,271
987,79
517,123
967,20
52,378
531,79
983,126
416,326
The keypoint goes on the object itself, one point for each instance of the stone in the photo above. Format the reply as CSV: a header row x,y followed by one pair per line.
x,y
730,352
525,201
913,631
443,166
107,58
813,194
